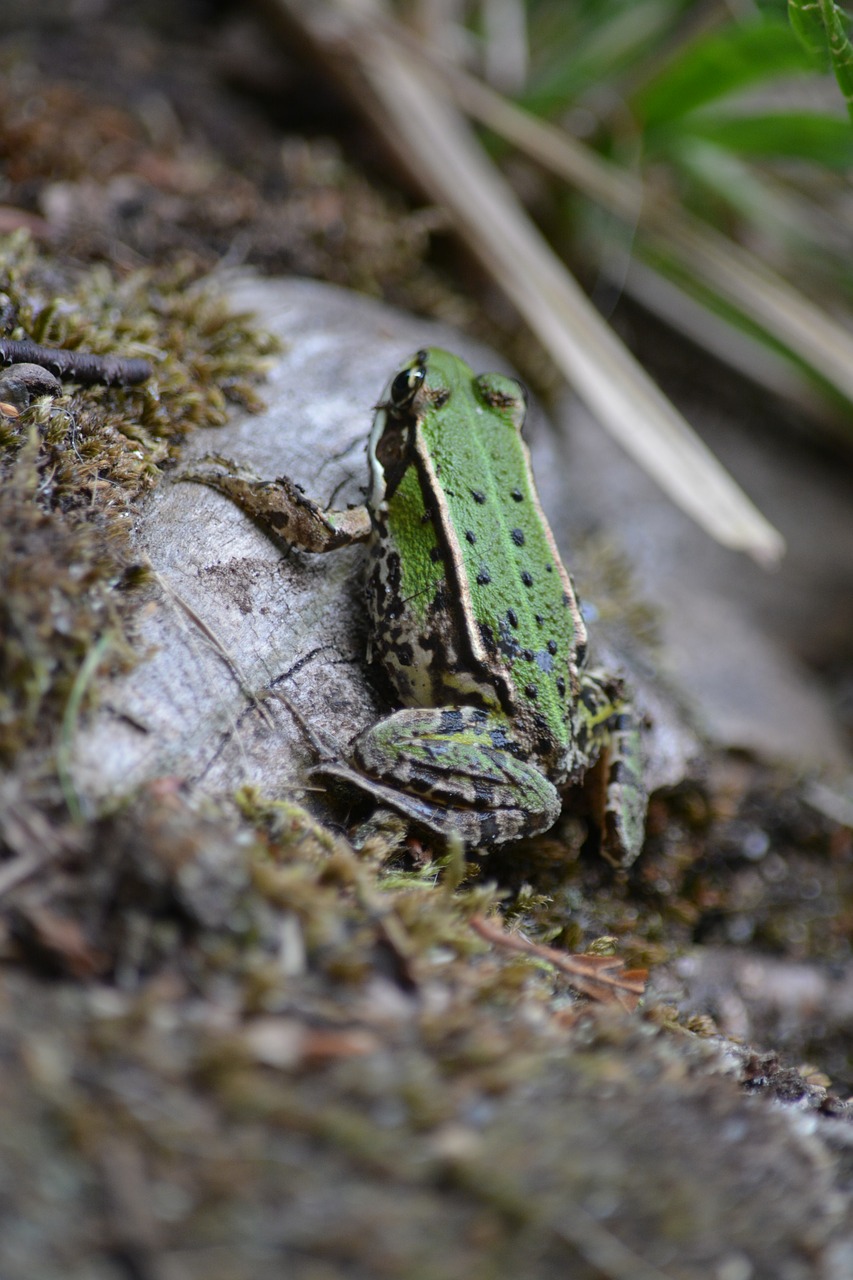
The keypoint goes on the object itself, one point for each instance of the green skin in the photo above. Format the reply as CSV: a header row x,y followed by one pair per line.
x,y
474,619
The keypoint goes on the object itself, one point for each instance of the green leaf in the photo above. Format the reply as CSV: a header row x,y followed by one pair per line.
x,y
801,135
821,26
718,64
807,25
840,49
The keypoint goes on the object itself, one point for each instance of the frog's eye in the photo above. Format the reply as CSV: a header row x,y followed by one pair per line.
x,y
406,385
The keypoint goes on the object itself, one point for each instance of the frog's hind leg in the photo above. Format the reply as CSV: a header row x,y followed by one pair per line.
x,y
454,771
612,734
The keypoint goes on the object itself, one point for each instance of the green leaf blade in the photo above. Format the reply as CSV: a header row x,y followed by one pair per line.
x,y
807,25
718,65
784,135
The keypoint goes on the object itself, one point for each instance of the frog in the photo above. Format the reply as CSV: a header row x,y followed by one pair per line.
x,y
473,617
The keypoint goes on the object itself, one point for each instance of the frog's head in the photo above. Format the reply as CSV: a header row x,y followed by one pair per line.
x,y
438,386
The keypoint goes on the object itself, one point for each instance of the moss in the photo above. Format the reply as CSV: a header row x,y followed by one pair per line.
x,y
72,467
348,904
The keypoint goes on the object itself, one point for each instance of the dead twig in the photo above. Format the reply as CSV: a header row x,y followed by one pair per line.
x,y
84,367
602,978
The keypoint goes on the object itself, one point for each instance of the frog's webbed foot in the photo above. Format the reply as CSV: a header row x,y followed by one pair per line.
x,y
280,507
452,771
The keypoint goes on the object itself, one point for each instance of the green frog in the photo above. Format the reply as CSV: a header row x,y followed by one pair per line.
x,y
473,617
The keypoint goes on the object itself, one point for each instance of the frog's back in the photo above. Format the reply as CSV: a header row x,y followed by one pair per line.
x,y
470,599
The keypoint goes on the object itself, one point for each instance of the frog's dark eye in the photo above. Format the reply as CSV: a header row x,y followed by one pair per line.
x,y
406,385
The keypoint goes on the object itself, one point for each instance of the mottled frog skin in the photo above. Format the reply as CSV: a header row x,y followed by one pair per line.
x,y
474,618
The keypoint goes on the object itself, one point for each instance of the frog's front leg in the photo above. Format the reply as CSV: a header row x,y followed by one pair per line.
x,y
281,509
455,771
610,735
